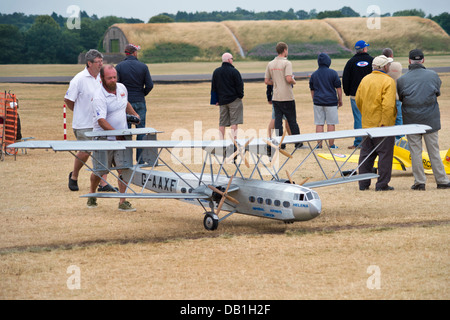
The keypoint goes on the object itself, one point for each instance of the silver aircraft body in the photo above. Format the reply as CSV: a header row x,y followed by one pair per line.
x,y
221,184
267,199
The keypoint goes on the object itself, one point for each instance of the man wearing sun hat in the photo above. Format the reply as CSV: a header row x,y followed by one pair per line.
x,y
136,77
375,99
418,90
356,68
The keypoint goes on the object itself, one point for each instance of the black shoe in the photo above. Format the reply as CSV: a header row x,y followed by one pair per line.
x,y
387,188
107,188
73,184
420,186
443,186
269,152
298,145
363,188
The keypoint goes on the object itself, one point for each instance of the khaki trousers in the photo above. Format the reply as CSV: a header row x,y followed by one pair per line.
x,y
432,144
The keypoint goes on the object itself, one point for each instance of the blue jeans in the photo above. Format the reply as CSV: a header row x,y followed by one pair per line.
x,y
399,119
141,110
357,123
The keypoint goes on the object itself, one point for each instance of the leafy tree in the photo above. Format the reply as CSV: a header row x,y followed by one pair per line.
x,y
42,40
302,15
161,18
19,20
412,12
182,16
443,20
349,12
11,42
60,20
330,14
313,14
70,47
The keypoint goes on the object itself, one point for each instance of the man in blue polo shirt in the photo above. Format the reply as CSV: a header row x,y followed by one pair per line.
x,y
135,76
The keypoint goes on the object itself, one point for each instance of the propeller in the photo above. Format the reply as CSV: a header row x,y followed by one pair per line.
x,y
292,182
278,148
289,177
304,181
240,150
224,195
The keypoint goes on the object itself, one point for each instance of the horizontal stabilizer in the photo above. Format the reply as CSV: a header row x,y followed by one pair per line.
x,y
179,196
331,182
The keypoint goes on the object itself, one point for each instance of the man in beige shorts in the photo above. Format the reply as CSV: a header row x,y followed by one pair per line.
x,y
228,86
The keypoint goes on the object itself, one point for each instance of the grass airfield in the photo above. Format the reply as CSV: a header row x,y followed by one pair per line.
x,y
162,251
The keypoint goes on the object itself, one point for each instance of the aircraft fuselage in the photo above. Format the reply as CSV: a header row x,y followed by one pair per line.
x,y
267,199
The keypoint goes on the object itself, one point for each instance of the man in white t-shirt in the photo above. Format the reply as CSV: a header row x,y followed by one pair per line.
x,y
110,108
78,99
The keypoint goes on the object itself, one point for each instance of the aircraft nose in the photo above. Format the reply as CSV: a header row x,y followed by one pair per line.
x,y
315,208
309,211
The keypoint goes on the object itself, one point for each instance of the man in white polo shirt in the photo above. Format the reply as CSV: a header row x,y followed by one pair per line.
x,y
110,108
78,99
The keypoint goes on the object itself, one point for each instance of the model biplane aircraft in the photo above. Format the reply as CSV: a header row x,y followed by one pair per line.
x,y
223,189
402,157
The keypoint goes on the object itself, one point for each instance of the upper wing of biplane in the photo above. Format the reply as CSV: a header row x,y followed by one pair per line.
x,y
60,145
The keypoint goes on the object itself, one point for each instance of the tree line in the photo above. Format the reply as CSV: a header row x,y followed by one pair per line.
x,y
46,39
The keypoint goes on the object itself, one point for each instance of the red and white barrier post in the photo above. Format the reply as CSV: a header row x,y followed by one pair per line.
x,y
65,126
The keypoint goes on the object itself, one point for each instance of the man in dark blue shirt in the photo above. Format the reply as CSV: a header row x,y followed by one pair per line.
x,y
326,93
136,78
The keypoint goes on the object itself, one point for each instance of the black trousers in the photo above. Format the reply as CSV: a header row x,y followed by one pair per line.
x,y
286,108
385,153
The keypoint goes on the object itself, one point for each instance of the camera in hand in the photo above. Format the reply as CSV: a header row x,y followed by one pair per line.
x,y
132,119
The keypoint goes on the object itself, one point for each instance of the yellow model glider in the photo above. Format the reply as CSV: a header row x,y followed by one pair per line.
x,y
402,158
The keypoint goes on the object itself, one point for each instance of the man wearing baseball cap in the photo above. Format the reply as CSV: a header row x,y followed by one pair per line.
x,y
356,68
375,99
418,90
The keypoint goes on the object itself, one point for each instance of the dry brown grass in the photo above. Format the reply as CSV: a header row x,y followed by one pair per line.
x,y
162,251
402,34
253,33
205,35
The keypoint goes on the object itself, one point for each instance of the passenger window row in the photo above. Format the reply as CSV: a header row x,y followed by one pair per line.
x,y
269,201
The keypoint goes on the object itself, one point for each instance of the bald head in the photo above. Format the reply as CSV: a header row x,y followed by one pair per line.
x,y
227,57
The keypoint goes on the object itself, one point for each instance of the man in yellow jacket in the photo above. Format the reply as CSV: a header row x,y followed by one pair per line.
x,y
375,99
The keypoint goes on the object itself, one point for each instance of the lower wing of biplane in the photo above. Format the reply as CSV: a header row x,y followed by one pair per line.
x,y
222,184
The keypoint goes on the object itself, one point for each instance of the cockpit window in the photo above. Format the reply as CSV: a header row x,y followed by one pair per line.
x,y
299,196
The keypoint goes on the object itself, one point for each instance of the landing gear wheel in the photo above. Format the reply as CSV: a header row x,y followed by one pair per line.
x,y
211,221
